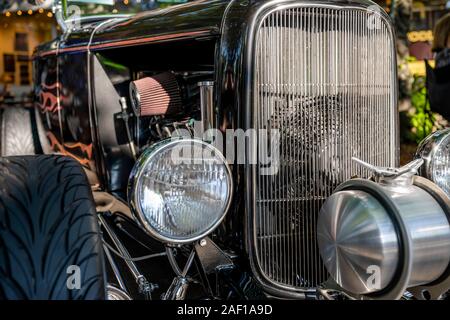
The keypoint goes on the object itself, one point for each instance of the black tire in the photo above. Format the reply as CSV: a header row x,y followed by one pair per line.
x,y
47,223
22,133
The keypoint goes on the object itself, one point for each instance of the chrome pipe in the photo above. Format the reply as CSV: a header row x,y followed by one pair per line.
x,y
145,287
115,269
121,248
207,105
172,261
180,284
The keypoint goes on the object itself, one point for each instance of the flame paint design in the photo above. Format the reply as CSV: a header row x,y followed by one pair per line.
x,y
62,148
50,102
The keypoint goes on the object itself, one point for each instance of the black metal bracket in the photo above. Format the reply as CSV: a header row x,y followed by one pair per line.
x,y
211,257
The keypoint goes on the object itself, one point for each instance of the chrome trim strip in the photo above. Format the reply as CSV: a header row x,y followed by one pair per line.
x,y
130,42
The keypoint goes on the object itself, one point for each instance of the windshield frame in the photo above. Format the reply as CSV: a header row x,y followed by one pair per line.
x,y
69,24
76,21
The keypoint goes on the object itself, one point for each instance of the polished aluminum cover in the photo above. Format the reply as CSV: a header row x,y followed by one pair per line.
x,y
392,236
358,240
325,80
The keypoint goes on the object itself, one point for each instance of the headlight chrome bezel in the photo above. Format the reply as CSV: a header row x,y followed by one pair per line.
x,y
427,151
139,169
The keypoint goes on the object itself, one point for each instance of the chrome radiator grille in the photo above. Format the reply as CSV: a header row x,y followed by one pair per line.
x,y
324,79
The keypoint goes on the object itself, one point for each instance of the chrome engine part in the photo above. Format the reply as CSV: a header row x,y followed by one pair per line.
x,y
378,238
207,105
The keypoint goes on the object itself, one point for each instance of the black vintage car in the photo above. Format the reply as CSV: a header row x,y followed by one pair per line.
x,y
219,150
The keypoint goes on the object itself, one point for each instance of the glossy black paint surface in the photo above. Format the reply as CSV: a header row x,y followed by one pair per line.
x,y
72,126
46,82
191,17
62,96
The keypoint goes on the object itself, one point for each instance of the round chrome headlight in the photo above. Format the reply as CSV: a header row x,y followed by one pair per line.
x,y
180,190
435,150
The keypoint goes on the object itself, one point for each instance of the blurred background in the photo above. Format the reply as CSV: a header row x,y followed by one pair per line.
x,y
414,22
26,23
22,27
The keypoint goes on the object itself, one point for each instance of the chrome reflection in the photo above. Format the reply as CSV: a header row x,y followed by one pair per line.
x,y
326,81
114,293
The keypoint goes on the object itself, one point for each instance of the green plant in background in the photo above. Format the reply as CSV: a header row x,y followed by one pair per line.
x,y
420,120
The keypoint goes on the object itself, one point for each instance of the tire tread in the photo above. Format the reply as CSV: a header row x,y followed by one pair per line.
x,y
47,222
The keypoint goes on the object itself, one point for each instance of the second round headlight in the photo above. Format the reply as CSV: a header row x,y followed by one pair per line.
x,y
435,150
180,190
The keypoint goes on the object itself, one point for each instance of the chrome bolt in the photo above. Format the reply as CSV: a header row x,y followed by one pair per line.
x,y
202,243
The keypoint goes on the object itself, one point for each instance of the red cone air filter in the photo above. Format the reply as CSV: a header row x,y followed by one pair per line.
x,y
157,95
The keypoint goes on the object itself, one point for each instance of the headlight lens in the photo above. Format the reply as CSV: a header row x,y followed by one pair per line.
x,y
180,190
435,150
